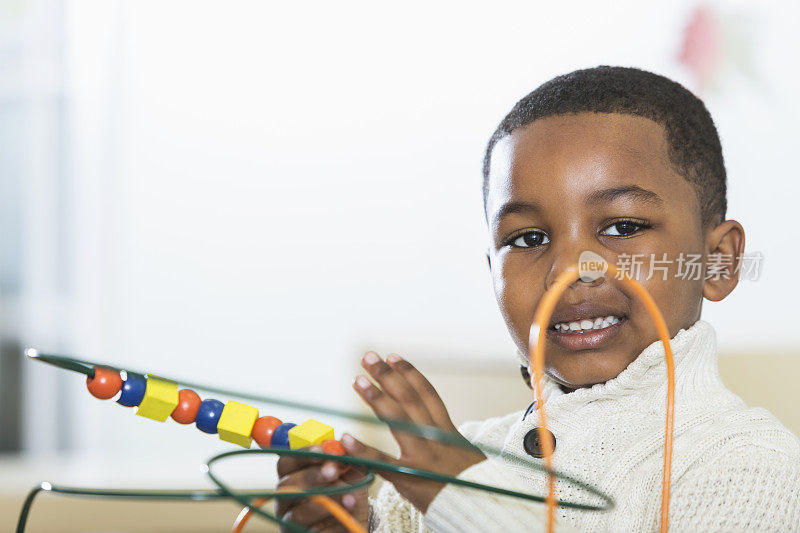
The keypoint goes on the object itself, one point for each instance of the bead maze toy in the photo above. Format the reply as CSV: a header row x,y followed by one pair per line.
x,y
235,422
159,398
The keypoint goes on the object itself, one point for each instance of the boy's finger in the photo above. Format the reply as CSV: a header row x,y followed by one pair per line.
x,y
426,392
312,476
331,525
291,463
283,506
381,404
357,448
353,474
397,387
313,515
385,407
308,514
328,525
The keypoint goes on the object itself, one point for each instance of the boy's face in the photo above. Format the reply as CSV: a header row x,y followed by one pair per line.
x,y
599,182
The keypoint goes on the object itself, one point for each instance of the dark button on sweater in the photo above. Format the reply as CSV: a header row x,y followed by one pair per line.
x,y
532,444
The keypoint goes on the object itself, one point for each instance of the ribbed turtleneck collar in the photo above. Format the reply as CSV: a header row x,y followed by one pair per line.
x,y
695,356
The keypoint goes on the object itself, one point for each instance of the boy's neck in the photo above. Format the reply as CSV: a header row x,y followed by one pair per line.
x,y
565,389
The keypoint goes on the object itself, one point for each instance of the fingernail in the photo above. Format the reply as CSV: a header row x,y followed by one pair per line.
x,y
393,358
371,358
329,471
362,382
349,501
348,441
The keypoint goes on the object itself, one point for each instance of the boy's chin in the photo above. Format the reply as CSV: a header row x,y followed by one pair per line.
x,y
582,374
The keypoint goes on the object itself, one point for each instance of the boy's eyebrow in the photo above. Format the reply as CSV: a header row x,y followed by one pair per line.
x,y
604,195
515,207
633,191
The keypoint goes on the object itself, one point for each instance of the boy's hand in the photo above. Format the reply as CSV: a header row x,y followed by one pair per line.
x,y
405,394
297,473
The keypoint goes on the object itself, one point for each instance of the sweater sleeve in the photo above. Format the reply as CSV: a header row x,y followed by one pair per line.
x,y
390,512
746,489
468,510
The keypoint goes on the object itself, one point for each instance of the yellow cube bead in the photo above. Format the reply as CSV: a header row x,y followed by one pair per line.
x,y
236,423
309,433
160,399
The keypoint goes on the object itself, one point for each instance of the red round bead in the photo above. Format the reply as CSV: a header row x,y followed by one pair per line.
x,y
333,447
188,404
105,384
263,429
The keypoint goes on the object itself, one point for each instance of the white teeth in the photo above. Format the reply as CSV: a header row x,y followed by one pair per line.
x,y
587,324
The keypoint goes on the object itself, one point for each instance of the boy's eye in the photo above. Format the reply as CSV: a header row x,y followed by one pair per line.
x,y
531,239
623,228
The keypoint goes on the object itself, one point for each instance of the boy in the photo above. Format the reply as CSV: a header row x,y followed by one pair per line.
x,y
623,163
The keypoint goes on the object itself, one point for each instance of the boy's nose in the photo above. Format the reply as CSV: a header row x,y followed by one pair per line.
x,y
570,259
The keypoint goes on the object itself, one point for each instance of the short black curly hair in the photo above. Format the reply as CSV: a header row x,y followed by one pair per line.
x,y
693,143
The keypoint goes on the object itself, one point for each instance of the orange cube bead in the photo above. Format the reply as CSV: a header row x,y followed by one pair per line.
x,y
105,384
263,429
188,405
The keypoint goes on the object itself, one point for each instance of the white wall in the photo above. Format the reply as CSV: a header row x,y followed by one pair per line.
x,y
265,191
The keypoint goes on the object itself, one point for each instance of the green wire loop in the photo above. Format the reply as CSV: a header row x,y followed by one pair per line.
x,y
369,465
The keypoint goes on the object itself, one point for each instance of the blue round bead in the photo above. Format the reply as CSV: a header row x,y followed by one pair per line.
x,y
208,415
280,437
132,390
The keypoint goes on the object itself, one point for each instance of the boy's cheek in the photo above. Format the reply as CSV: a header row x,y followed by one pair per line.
x,y
519,308
504,273
677,299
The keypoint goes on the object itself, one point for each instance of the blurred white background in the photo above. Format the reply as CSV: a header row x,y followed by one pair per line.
x,y
253,194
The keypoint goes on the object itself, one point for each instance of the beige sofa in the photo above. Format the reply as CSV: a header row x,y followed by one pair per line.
x,y
760,379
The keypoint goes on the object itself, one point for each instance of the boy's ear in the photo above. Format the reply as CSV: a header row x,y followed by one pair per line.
x,y
725,246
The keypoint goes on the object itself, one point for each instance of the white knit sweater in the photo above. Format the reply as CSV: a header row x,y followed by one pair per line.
x,y
734,468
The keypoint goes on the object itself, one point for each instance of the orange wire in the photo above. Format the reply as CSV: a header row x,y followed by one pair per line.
x,y
537,346
244,515
339,512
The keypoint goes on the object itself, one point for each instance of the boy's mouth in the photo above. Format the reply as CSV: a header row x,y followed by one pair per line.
x,y
588,336
586,326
